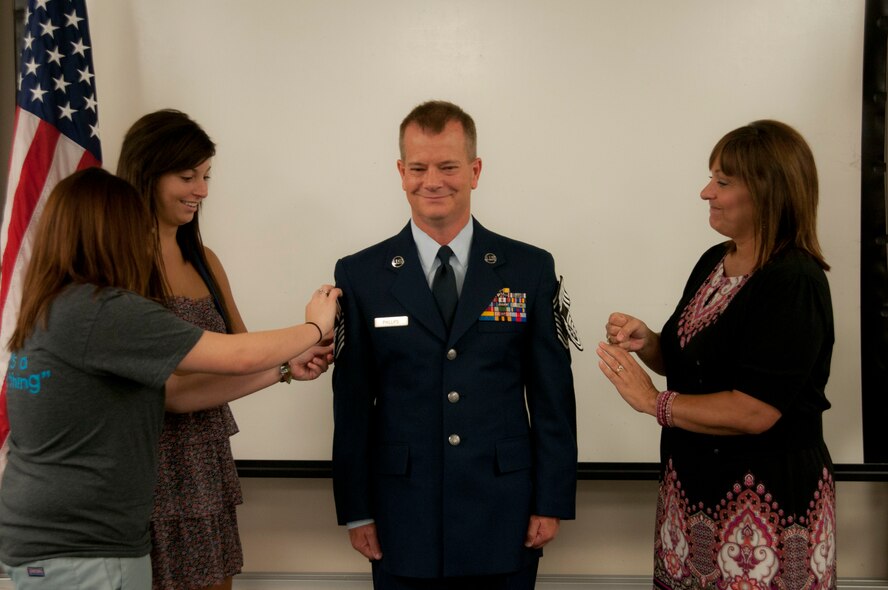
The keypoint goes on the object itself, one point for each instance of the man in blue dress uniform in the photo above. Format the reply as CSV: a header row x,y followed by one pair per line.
x,y
454,453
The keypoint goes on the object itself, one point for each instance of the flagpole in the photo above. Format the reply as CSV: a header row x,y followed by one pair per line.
x,y
7,88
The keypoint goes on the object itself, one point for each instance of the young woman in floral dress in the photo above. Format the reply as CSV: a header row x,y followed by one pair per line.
x,y
167,157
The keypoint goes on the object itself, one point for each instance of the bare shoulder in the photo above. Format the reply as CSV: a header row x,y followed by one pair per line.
x,y
237,322
214,262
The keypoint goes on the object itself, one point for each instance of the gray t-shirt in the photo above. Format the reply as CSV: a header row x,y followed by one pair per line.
x,y
86,398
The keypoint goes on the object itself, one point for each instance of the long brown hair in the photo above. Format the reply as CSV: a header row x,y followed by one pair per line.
x,y
159,143
775,163
94,230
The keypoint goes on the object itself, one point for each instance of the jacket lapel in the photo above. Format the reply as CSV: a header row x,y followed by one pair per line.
x,y
482,281
410,287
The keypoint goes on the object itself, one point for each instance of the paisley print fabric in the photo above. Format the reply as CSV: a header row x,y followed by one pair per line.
x,y
746,541
711,299
749,511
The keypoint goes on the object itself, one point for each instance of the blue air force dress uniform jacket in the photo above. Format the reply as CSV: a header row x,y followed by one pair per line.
x,y
451,441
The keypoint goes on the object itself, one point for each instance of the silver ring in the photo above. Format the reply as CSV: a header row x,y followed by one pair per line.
x,y
620,368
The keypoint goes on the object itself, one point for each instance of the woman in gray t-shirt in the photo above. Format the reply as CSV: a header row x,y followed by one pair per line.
x,y
92,361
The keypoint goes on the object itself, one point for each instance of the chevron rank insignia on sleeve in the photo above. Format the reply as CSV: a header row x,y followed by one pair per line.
x,y
339,333
564,325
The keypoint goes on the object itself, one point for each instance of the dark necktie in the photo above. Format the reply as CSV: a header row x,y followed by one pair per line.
x,y
444,286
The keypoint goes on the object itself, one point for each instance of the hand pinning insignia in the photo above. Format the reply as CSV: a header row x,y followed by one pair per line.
x,y
564,326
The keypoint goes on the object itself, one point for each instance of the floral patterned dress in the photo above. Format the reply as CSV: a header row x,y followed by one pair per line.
x,y
749,511
194,524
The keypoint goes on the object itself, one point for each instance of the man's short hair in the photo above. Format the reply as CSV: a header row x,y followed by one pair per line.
x,y
433,115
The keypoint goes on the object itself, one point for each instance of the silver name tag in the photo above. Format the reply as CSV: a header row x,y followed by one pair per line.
x,y
391,322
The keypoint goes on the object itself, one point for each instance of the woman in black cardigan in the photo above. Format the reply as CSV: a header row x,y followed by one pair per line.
x,y
747,495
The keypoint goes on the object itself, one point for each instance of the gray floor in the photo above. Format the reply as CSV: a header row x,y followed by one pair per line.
x,y
362,582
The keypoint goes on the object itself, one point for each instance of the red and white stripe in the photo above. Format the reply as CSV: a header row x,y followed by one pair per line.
x,y
41,157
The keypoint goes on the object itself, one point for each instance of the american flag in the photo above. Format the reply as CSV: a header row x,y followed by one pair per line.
x,y
55,134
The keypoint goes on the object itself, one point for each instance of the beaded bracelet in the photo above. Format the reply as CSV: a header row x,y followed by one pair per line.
x,y
664,408
669,421
661,408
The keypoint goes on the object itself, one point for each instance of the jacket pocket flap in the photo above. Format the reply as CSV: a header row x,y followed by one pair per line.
x,y
392,459
513,454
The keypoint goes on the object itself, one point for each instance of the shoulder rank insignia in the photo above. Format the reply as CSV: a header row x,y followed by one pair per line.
x,y
564,325
339,332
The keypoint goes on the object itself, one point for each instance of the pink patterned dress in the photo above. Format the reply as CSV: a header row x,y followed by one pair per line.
x,y
194,523
749,512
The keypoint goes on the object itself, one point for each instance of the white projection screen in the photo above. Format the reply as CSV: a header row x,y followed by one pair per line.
x,y
595,122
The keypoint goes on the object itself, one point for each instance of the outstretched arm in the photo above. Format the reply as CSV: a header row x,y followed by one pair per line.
x,y
200,391
244,354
